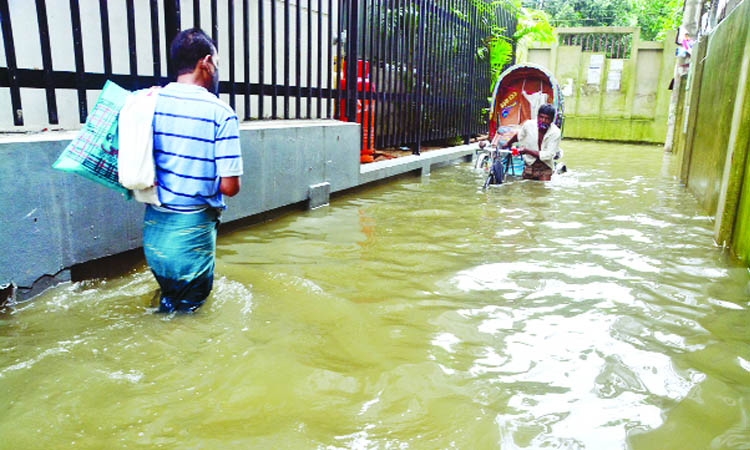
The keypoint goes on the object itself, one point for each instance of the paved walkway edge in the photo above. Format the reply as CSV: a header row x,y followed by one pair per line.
x,y
397,166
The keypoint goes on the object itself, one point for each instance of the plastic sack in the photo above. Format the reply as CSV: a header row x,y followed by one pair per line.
x,y
93,152
515,166
135,161
535,100
504,133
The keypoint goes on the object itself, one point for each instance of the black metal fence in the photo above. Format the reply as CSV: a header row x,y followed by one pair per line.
x,y
422,78
429,83
614,45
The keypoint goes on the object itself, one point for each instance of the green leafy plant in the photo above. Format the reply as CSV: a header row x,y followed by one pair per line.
x,y
532,26
499,50
657,17
654,17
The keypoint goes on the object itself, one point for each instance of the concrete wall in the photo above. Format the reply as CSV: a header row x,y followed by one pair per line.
x,y
29,56
680,120
636,111
713,139
53,220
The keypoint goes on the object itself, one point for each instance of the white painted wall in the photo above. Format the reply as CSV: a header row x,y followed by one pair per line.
x,y
28,50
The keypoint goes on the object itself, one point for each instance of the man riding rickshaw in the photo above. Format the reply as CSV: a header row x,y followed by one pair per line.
x,y
527,108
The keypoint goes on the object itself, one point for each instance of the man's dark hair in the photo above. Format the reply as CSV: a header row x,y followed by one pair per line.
x,y
547,110
188,47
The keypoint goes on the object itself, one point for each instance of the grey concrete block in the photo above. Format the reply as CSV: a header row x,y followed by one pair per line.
x,y
282,159
393,167
320,195
41,284
53,220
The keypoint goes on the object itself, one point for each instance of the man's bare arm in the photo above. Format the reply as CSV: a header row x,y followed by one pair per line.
x,y
229,186
511,141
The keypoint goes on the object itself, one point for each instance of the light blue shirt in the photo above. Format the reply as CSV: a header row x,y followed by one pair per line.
x,y
196,142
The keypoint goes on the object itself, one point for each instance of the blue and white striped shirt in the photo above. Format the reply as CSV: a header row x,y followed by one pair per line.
x,y
196,142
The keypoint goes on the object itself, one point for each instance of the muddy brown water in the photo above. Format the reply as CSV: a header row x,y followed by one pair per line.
x,y
591,312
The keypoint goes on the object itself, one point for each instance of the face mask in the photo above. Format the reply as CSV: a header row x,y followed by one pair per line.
x,y
215,83
542,125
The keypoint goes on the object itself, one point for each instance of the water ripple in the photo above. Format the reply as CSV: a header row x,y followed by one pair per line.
x,y
591,312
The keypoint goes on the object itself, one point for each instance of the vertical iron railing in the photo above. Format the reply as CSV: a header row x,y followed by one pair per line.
x,y
232,84
172,18
275,87
329,78
430,84
418,57
75,19
287,34
246,54
298,60
41,11
614,45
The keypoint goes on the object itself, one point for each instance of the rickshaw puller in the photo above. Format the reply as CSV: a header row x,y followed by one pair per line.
x,y
539,143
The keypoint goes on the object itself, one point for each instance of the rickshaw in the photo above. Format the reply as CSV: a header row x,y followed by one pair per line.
x,y
519,92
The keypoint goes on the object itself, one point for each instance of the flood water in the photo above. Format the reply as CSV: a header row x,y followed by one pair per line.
x,y
591,312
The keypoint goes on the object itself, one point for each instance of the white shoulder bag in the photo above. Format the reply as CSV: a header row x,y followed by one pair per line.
x,y
135,159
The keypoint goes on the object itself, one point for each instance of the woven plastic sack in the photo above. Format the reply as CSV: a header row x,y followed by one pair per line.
x,y
93,152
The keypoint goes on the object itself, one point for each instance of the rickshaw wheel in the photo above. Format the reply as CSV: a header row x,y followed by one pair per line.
x,y
483,162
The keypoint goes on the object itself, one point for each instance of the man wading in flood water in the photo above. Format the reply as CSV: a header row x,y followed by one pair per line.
x,y
198,161
540,142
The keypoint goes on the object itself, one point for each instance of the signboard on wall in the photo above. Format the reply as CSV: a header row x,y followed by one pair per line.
x,y
595,69
615,75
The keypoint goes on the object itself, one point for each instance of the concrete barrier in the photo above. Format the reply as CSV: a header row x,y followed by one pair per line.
x,y
53,221
606,98
712,137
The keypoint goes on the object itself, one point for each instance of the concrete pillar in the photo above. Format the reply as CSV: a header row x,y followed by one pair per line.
x,y
320,195
690,21
692,100
425,171
630,97
735,162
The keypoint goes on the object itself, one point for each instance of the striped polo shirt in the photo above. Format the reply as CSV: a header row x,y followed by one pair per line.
x,y
196,142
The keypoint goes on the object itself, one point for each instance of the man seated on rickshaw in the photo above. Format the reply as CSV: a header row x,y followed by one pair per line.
x,y
539,142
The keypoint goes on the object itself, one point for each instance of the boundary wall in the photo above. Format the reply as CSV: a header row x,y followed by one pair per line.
x,y
611,99
54,220
712,129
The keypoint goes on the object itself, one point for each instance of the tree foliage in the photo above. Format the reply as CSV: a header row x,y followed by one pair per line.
x,y
658,17
532,25
654,17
